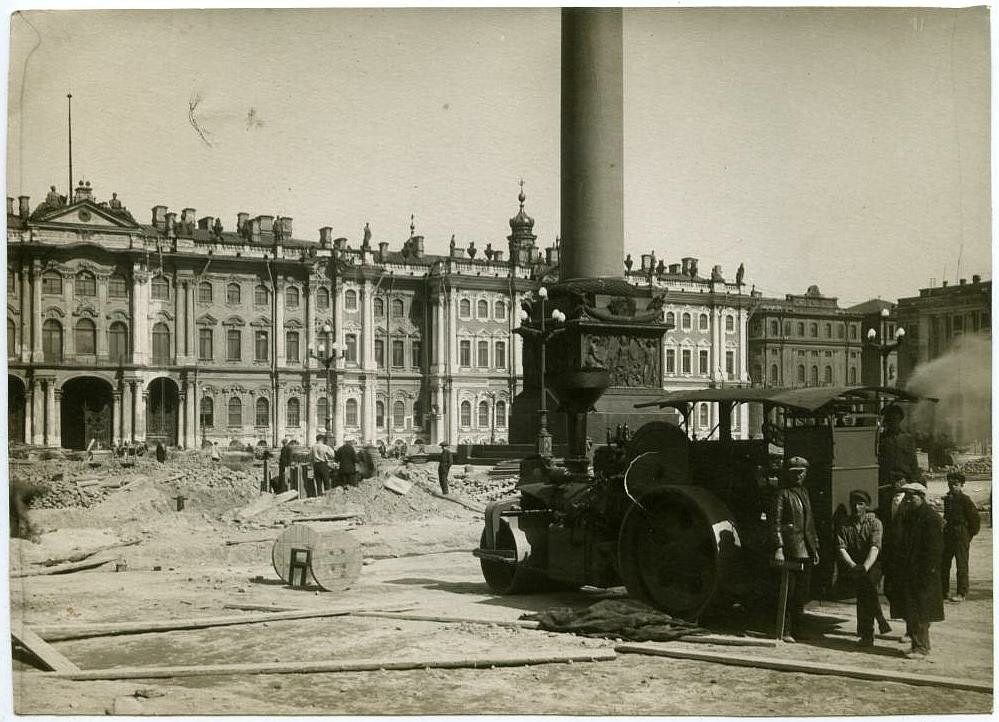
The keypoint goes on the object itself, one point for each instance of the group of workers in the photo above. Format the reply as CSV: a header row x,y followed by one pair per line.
x,y
329,468
906,544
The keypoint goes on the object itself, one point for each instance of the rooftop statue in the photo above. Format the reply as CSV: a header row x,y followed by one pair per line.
x,y
739,274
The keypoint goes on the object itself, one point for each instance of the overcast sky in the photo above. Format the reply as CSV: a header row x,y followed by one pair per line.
x,y
847,148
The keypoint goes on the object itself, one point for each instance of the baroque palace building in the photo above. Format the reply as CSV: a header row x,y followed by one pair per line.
x,y
180,331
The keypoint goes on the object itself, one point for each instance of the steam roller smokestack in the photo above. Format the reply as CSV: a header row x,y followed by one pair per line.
x,y
592,213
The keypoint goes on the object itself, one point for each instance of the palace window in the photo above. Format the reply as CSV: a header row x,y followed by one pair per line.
x,y
730,324
398,308
702,361
160,289
465,353
670,361
291,347
322,412
483,354
52,340
730,364
853,375
85,337
774,328
380,414
774,375
499,310
801,374
206,351
482,309
261,295
322,298
501,354
263,412
416,354
235,412
260,344
293,412
350,412
801,329
703,416
399,415
291,297
350,341
466,414
686,321
814,376
813,330
11,338
233,344
465,308
161,344
380,353
204,292
350,300
702,322
501,414
379,308
52,283
483,414
398,354
207,413
670,320
86,284
685,359
233,294
827,376
117,286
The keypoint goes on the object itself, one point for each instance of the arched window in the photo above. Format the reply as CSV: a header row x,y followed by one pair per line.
x,y
118,342
813,330
322,298
379,308
85,337
703,417
160,289
482,309
774,375
398,308
161,343
814,380
853,375
702,322
501,414
801,329
380,414
117,286
52,340
263,412
484,414
757,374
399,415
52,283
670,319
801,374
787,328
466,413
235,412
291,347
233,294
293,413
499,310
730,323
350,300
827,376
11,338
774,328
86,284
261,295
350,412
207,413
686,321
322,411
828,330
840,331
465,308
291,297
417,414
204,292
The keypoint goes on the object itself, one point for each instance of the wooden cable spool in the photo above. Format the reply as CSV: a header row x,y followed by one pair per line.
x,y
336,556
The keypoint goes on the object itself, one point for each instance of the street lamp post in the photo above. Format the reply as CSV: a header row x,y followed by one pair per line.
x,y
543,334
327,354
886,346
492,417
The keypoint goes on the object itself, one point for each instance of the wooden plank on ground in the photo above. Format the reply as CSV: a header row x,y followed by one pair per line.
x,y
260,608
329,517
251,540
265,502
80,556
46,653
328,666
55,632
808,667
64,568
459,502
727,640
519,623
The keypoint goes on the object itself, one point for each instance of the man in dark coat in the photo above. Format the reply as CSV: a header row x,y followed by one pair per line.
x,y
796,545
918,591
961,523
346,458
444,467
896,449
858,540
284,461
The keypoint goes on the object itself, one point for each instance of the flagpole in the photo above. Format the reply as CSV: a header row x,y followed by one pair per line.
x,y
69,101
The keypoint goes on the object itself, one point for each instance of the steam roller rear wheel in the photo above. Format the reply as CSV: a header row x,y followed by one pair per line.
x,y
666,555
512,577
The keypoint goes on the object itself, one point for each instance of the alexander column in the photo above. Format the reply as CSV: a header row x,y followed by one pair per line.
x,y
613,329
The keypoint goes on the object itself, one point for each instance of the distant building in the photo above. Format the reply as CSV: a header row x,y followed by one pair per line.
x,y
878,369
804,340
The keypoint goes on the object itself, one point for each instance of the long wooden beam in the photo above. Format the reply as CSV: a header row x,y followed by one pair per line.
x,y
50,658
56,632
64,568
328,666
807,667
519,623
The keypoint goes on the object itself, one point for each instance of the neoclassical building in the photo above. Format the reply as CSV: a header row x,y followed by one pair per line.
x,y
182,331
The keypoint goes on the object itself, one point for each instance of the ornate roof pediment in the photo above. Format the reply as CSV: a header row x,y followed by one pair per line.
x,y
207,320
84,214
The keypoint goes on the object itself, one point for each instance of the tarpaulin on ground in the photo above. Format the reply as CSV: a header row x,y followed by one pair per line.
x,y
616,619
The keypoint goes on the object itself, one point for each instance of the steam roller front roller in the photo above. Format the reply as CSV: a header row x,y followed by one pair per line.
x,y
673,549
505,559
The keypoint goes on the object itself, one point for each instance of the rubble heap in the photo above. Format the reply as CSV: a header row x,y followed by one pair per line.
x,y
977,466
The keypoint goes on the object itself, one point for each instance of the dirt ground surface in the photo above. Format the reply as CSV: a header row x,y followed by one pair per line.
x,y
417,551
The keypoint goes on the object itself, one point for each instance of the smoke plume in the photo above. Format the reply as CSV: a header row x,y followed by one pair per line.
x,y
962,380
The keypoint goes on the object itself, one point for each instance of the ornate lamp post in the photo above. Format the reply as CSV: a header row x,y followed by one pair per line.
x,y
543,334
327,354
886,346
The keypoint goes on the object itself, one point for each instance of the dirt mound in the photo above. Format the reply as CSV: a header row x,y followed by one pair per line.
x,y
977,466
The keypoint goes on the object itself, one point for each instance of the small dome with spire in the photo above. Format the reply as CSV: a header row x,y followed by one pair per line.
x,y
521,222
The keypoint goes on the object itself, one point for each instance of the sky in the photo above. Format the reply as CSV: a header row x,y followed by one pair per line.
x,y
847,148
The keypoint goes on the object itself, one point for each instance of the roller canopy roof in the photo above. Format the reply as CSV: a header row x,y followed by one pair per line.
x,y
808,400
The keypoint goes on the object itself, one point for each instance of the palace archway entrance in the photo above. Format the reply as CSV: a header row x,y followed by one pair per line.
x,y
15,409
87,412
162,412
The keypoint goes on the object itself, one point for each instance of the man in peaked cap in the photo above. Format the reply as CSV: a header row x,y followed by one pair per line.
x,y
858,543
795,542
961,523
918,586
444,467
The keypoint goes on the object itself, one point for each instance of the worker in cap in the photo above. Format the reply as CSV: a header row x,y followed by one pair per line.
x,y
896,448
284,461
444,467
858,543
795,542
917,589
961,524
